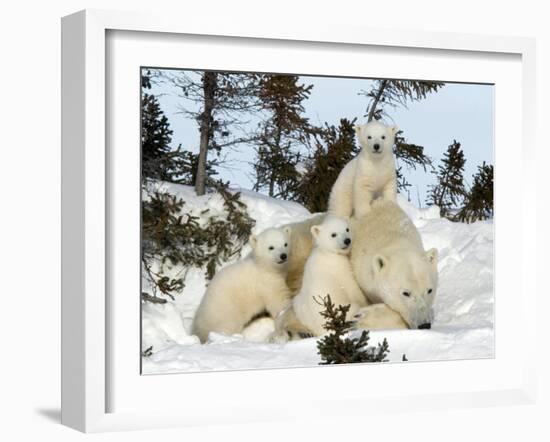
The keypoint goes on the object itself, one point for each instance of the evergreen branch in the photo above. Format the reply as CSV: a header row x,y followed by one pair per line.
x,y
376,100
336,348
152,299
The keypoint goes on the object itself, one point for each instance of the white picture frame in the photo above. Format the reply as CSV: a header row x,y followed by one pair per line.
x,y
87,354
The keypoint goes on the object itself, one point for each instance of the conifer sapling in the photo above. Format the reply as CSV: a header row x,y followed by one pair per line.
x,y
337,348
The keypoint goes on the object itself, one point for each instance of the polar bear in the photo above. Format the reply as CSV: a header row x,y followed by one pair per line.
x,y
248,288
378,317
392,267
301,243
369,175
328,272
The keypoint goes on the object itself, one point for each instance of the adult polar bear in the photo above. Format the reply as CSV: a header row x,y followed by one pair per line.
x,y
369,175
392,268
388,260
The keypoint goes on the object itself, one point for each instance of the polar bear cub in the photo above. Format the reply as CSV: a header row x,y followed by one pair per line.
x,y
328,272
241,291
369,175
301,243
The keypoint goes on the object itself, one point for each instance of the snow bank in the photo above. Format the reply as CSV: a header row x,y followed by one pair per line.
x,y
463,326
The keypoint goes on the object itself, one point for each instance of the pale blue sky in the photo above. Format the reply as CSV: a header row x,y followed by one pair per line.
x,y
463,112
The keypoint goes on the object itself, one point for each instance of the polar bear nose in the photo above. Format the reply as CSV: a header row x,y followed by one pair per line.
x,y
283,256
347,241
376,147
426,325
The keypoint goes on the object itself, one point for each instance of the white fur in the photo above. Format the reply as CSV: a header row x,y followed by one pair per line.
x,y
301,243
378,317
368,176
327,272
389,261
243,289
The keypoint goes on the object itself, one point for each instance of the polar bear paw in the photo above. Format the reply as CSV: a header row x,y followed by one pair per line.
x,y
376,317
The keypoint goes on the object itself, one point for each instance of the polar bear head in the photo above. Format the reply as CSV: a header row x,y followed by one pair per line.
x,y
407,283
375,138
333,235
271,247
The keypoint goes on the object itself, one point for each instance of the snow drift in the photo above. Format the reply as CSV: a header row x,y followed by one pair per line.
x,y
462,329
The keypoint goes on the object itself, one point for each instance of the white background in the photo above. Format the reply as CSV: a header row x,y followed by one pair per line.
x,y
30,141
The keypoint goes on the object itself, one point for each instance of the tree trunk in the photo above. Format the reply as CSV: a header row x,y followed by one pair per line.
x,y
209,84
377,100
271,185
277,147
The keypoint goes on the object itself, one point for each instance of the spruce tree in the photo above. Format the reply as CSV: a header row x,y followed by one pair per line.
x,y
338,348
223,99
159,160
449,191
281,135
478,203
386,94
334,147
156,135
172,236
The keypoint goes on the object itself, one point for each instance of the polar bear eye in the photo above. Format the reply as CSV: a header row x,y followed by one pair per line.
x,y
270,247
429,291
333,235
407,294
383,137
369,137
347,230
287,245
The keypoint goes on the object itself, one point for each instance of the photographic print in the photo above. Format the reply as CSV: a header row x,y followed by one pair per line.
x,y
297,220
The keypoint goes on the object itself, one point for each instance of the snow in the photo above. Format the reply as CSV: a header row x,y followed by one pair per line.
x,y
464,307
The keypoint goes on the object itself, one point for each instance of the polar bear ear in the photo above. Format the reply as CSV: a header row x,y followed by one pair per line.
x,y
378,263
394,129
287,230
315,230
358,129
432,256
253,240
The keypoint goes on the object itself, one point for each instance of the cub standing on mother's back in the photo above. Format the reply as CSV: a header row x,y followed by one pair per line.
x,y
369,175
